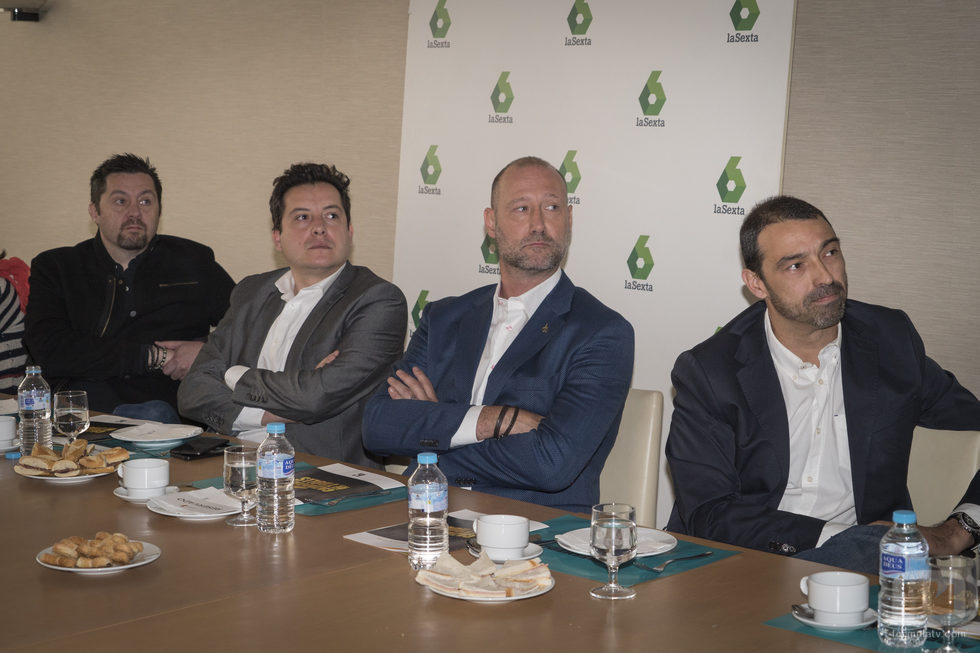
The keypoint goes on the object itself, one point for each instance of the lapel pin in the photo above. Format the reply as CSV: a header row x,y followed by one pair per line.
x,y
544,329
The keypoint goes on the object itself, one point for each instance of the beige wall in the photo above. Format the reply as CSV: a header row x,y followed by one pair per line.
x,y
882,132
221,96
883,136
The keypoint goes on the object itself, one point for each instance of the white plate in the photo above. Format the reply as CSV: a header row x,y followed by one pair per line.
x,y
493,599
69,480
124,495
649,541
157,436
870,616
530,551
13,446
156,506
149,553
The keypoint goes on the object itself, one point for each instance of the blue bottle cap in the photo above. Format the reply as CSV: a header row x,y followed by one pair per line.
x,y
275,427
903,517
12,455
427,458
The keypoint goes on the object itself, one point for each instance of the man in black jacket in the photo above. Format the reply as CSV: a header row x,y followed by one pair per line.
x,y
124,314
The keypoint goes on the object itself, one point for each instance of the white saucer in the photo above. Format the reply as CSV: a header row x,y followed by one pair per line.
x,y
532,550
124,495
870,616
12,446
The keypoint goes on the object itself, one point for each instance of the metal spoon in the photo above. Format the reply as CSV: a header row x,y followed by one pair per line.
x,y
803,611
663,565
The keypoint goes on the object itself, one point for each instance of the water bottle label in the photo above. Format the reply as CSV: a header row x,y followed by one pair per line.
x,y
276,466
892,564
911,568
428,497
34,400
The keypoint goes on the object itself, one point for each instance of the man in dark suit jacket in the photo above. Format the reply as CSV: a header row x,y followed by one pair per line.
x,y
531,416
731,445
305,345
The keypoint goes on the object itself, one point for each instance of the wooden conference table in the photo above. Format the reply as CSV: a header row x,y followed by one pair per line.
x,y
221,588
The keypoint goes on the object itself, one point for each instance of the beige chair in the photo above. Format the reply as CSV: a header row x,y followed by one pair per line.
x,y
941,466
632,470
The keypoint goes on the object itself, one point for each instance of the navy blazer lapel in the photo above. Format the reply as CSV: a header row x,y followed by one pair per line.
x,y
860,376
334,294
545,324
762,391
471,338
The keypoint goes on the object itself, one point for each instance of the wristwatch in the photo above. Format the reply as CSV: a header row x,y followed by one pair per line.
x,y
968,524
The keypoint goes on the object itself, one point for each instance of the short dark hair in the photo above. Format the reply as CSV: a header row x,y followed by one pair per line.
x,y
125,163
524,162
300,174
770,211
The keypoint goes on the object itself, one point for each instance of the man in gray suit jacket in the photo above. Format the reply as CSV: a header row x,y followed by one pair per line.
x,y
305,345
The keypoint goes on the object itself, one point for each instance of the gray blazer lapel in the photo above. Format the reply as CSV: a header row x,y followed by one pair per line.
x,y
859,374
319,313
762,391
254,334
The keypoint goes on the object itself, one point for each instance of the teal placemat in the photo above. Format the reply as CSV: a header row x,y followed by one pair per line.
x,y
866,638
568,563
354,503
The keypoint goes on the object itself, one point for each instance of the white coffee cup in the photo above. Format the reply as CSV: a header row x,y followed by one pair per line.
x,y
503,537
838,598
144,477
8,429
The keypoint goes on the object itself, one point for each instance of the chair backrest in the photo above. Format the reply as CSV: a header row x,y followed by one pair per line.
x,y
632,470
941,466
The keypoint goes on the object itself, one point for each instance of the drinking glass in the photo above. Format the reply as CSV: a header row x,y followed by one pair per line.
x,y
952,595
71,413
241,481
613,541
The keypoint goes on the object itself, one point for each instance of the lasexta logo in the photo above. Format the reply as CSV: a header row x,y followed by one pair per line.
x,y
440,22
569,171
580,18
489,249
503,94
431,169
731,184
744,13
640,261
653,96
419,305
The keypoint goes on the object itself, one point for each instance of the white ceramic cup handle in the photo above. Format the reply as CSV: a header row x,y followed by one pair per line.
x,y
475,522
119,472
803,585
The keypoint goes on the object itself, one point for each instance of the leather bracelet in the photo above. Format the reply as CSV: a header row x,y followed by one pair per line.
x,y
500,420
513,419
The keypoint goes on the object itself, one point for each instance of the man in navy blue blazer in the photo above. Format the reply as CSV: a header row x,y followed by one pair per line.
x,y
519,387
792,425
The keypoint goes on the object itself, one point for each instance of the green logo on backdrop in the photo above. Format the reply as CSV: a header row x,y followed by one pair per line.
x,y
744,13
502,94
653,97
419,305
430,166
569,170
731,184
440,22
489,249
640,261
580,18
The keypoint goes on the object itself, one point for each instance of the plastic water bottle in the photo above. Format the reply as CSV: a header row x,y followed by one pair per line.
x,y
904,578
428,504
276,459
34,406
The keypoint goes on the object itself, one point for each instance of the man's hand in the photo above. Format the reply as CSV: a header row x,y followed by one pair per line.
x,y
329,359
181,356
487,422
947,538
411,386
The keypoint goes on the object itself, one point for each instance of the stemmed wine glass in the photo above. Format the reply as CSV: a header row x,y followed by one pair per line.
x,y
952,595
613,541
71,413
241,481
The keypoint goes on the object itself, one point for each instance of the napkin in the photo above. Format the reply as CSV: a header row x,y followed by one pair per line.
x,y
209,501
154,431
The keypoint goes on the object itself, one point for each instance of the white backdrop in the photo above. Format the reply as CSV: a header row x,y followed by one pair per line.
x,y
667,117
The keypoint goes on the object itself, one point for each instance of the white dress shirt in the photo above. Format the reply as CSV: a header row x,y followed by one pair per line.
x,y
278,342
509,317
